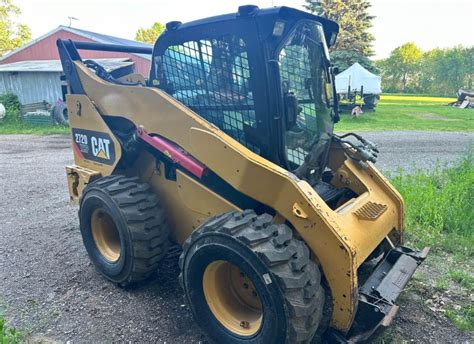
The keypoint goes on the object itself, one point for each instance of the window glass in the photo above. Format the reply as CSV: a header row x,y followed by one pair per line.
x,y
303,73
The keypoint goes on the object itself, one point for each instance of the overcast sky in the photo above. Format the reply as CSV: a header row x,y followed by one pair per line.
x,y
429,23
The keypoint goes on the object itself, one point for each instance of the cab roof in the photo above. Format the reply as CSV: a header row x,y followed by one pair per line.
x,y
265,16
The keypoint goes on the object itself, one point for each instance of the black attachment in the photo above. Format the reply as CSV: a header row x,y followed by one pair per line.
x,y
377,296
68,53
102,73
292,109
113,47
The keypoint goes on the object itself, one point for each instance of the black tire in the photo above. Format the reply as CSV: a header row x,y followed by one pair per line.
x,y
60,113
139,231
287,281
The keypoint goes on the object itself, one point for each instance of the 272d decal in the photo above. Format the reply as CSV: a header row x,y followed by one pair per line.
x,y
94,145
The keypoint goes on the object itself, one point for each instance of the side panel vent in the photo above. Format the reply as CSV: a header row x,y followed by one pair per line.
x,y
370,211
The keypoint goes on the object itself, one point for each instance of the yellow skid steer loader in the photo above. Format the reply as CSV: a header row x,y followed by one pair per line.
x,y
227,149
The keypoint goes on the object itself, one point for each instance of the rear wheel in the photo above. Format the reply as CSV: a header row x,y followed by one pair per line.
x,y
124,229
248,280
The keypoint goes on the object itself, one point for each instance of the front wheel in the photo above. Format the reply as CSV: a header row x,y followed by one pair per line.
x,y
247,280
124,228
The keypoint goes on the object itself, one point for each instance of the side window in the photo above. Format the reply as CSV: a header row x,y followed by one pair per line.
x,y
212,77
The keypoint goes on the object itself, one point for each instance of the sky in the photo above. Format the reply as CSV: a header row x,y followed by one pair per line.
x,y
428,23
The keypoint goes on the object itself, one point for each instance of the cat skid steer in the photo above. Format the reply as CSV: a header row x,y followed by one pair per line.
x,y
227,149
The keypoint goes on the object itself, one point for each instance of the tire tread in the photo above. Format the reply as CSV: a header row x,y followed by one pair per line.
x,y
286,257
145,219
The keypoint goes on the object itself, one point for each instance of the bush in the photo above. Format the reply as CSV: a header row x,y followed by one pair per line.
x,y
12,106
440,206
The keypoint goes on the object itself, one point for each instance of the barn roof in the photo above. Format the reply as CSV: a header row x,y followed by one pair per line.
x,y
101,38
97,37
55,65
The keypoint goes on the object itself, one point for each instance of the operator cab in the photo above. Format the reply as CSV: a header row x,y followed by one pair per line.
x,y
262,76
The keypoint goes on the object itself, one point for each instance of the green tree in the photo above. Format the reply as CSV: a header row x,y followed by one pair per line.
x,y
343,59
401,70
151,34
354,41
12,34
469,65
446,70
437,71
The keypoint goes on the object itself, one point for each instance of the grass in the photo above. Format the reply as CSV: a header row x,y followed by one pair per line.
x,y
440,206
17,127
416,98
440,213
463,279
462,318
401,112
9,335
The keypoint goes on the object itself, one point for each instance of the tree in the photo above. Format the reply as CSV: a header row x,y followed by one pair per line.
x,y
444,71
354,42
12,34
343,59
469,64
151,34
436,72
402,69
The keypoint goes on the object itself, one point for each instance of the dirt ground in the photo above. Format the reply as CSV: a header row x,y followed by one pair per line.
x,y
49,288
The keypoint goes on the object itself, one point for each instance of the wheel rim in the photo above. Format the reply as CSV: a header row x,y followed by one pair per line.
x,y
232,298
106,235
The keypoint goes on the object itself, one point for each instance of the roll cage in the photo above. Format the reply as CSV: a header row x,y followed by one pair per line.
x,y
251,106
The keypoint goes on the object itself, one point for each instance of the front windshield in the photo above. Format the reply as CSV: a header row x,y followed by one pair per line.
x,y
303,72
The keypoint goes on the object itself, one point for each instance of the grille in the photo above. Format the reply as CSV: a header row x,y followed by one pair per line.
x,y
212,77
370,211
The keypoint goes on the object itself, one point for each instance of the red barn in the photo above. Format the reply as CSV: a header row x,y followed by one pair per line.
x,y
44,48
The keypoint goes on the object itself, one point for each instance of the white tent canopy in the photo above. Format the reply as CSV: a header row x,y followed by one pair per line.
x,y
357,76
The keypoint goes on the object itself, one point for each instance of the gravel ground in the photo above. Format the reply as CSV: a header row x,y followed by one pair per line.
x,y
412,150
51,290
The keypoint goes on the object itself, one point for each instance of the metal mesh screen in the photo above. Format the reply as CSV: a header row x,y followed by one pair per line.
x,y
212,77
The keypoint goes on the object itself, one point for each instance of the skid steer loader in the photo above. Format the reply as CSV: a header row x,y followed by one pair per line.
x,y
227,149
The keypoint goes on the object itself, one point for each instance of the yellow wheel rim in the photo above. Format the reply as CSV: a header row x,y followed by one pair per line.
x,y
232,298
106,235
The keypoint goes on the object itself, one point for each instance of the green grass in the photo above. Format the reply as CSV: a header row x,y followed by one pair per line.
x,y
440,206
440,213
463,318
9,335
463,279
17,127
401,112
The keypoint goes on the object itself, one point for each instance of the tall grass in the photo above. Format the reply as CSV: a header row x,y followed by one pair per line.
x,y
440,206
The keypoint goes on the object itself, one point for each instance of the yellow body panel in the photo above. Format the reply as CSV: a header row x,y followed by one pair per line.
x,y
188,203
77,179
339,240
83,115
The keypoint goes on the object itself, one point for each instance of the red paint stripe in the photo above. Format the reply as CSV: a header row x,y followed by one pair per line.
x,y
77,150
175,153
